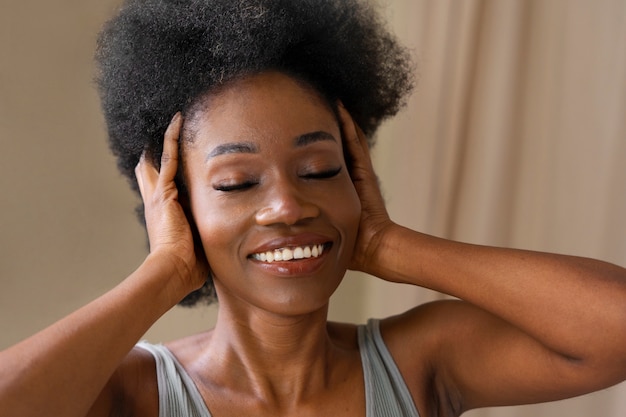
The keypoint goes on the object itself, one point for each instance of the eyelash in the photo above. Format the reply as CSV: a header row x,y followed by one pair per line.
x,y
248,184
323,174
235,187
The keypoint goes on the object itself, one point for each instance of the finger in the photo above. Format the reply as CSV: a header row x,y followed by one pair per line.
x,y
362,139
147,176
169,157
356,140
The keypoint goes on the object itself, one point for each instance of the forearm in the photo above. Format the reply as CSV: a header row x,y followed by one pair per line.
x,y
61,370
574,306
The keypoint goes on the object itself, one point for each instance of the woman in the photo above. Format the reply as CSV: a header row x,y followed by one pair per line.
x,y
262,181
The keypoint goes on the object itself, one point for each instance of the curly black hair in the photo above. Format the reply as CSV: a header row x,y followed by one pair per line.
x,y
158,57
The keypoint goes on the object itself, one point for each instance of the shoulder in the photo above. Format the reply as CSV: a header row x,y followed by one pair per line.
x,y
133,388
419,341
427,322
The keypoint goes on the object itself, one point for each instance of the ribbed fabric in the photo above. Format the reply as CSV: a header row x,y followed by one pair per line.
x,y
178,395
386,394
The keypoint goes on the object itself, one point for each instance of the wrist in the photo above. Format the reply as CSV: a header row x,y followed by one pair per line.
x,y
169,275
380,249
396,257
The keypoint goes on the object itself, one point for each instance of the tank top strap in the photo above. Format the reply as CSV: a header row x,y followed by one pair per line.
x,y
178,395
386,393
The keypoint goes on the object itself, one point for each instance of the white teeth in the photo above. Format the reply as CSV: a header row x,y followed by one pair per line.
x,y
287,254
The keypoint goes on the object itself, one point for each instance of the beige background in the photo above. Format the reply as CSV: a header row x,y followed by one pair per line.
x,y
516,136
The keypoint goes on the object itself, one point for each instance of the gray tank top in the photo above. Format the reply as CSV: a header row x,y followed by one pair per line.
x,y
386,394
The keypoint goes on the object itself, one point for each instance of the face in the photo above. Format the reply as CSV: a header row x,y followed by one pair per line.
x,y
270,194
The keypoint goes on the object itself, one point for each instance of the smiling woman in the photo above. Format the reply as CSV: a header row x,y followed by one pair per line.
x,y
269,149
246,126
149,70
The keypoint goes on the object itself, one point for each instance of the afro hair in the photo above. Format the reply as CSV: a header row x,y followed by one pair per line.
x,y
158,57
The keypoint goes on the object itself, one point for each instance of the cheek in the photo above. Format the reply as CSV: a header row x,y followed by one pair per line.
x,y
347,209
218,227
221,226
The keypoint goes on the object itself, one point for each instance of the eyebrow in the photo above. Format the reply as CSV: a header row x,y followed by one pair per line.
x,y
308,138
248,147
238,147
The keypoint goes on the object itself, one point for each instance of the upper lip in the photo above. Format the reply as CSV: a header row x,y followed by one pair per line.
x,y
304,239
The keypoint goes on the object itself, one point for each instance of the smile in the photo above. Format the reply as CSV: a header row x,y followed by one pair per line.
x,y
289,254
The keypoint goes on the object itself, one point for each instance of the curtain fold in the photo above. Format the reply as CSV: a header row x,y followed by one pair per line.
x,y
515,136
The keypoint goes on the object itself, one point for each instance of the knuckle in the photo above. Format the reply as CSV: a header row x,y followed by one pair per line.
x,y
167,158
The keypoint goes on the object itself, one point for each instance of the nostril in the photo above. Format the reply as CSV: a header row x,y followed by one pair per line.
x,y
287,212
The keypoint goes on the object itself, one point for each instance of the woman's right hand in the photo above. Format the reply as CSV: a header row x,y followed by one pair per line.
x,y
169,231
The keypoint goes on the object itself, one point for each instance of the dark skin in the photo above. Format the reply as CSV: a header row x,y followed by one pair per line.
x,y
532,326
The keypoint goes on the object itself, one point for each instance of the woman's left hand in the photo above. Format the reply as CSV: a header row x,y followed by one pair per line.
x,y
375,221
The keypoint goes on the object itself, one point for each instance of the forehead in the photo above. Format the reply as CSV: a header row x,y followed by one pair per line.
x,y
269,106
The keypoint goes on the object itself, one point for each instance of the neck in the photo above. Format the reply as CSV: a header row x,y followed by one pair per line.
x,y
271,355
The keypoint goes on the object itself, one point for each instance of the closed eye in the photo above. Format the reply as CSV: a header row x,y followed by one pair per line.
x,y
227,187
322,174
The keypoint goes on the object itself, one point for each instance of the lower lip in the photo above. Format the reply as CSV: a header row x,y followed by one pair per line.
x,y
301,267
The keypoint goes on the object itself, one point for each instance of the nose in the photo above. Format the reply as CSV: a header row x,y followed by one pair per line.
x,y
284,204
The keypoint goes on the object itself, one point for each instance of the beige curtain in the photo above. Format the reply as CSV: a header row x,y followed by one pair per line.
x,y
516,136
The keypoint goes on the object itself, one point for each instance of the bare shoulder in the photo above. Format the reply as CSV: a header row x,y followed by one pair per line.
x,y
416,340
132,389
422,323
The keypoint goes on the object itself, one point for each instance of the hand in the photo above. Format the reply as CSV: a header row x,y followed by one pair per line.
x,y
169,231
375,221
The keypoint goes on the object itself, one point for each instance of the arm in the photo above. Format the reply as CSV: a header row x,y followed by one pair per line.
x,y
62,370
538,327
532,327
